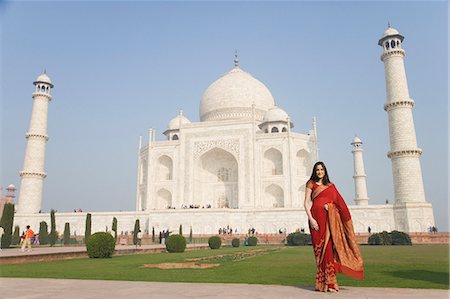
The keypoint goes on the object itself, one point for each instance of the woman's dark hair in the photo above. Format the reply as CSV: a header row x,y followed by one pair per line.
x,y
315,178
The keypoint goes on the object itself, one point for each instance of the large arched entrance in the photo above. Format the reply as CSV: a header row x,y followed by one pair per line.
x,y
216,180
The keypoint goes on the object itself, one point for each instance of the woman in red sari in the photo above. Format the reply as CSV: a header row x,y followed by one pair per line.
x,y
332,234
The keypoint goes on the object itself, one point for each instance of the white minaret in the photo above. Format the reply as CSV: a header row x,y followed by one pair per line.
x,y
359,175
404,153
33,173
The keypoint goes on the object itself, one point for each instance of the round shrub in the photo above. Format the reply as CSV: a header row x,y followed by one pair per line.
x,y
214,242
298,238
374,239
235,242
100,245
252,241
400,238
176,243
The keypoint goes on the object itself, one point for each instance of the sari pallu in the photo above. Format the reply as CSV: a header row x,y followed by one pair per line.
x,y
335,247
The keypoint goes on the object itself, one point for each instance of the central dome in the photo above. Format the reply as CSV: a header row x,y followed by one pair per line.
x,y
232,96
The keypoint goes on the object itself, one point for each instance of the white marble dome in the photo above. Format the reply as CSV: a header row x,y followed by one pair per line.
x,y
43,78
275,114
232,96
390,31
174,124
356,140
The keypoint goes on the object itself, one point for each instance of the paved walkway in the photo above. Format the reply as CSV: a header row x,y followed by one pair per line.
x,y
72,288
68,289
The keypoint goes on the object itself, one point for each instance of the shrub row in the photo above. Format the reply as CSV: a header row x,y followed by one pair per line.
x,y
393,238
298,239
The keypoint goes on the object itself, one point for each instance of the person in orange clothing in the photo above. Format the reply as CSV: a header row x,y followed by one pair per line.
x,y
27,242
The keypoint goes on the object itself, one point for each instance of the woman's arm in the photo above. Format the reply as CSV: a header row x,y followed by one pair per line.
x,y
308,205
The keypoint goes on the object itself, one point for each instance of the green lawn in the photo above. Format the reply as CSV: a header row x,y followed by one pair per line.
x,y
420,266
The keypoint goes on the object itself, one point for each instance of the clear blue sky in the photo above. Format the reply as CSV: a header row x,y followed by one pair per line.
x,y
120,68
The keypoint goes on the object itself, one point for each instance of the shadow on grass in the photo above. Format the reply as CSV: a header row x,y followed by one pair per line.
x,y
423,275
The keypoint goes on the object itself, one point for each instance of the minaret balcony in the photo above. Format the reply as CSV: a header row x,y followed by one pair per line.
x,y
42,94
33,174
392,53
36,136
405,153
409,103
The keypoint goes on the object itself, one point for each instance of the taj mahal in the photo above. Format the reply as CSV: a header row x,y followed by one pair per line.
x,y
243,164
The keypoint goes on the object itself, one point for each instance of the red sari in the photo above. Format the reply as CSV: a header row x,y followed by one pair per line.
x,y
335,246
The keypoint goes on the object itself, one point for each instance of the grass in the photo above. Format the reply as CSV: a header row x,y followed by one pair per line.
x,y
420,266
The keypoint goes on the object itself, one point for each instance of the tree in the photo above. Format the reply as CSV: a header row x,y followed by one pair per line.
x,y
135,232
53,234
16,236
43,233
114,228
67,233
181,230
87,231
6,222
190,235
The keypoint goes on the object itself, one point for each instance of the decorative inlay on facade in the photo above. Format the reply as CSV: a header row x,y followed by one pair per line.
x,y
33,174
233,113
403,153
398,52
398,104
230,145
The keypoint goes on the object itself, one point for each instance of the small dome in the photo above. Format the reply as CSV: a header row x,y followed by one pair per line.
x,y
43,78
174,124
275,114
390,31
356,140
11,186
232,96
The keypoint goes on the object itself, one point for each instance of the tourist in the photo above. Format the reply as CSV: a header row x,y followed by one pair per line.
x,y
332,233
27,242
139,238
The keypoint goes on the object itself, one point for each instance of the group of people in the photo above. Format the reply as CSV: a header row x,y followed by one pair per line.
x,y
227,230
163,236
191,206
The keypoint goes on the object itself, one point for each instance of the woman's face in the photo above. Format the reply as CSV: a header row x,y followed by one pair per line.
x,y
320,172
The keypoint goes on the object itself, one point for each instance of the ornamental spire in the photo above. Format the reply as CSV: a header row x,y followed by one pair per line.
x,y
236,60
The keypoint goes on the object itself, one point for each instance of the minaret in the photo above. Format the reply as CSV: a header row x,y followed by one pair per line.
x,y
359,175
33,173
404,153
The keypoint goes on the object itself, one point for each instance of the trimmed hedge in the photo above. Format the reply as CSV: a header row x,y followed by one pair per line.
x,y
100,245
214,242
235,242
298,239
176,243
400,238
392,238
252,241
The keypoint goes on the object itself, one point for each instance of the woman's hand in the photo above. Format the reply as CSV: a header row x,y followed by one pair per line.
x,y
314,224
326,207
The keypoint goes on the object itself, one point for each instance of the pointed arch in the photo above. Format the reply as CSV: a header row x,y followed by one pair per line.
x,y
274,196
303,163
165,168
216,179
301,195
273,162
164,199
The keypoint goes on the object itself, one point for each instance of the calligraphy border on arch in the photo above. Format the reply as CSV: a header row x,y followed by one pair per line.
x,y
230,145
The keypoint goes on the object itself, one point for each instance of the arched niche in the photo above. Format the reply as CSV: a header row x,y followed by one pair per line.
x,y
273,162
